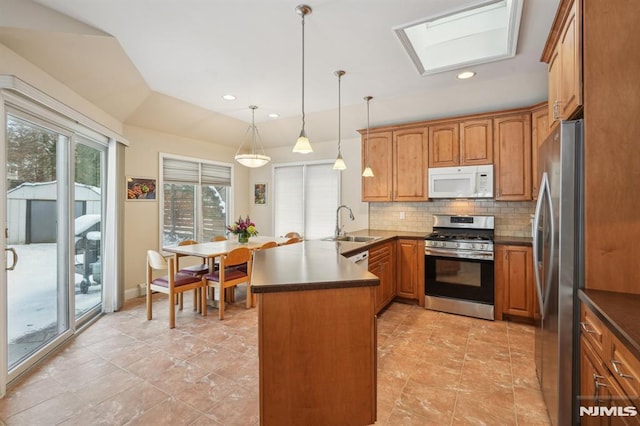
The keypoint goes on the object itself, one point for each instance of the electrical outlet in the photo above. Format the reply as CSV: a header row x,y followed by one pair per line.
x,y
401,215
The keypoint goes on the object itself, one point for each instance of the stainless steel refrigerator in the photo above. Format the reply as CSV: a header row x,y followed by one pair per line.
x,y
558,268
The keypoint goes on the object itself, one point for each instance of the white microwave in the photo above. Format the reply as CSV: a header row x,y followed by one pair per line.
x,y
461,182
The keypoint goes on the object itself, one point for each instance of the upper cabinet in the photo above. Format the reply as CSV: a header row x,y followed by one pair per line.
x,y
444,145
512,157
563,54
399,163
401,155
539,133
410,164
476,142
465,143
377,149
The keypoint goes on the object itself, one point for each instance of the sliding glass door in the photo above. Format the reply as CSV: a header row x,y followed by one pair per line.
x,y
37,290
88,225
54,180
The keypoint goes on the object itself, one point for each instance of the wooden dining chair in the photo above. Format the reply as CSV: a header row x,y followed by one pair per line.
x,y
198,270
265,246
268,245
293,240
230,275
292,235
218,238
171,285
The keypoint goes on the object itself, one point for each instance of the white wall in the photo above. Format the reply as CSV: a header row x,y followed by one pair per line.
x,y
13,64
142,227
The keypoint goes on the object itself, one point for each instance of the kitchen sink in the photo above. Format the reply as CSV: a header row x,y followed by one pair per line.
x,y
352,238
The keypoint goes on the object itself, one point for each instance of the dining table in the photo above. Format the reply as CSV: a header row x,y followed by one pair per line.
x,y
213,249
210,250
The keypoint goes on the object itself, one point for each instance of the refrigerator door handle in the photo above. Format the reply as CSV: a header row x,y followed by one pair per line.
x,y
544,191
552,251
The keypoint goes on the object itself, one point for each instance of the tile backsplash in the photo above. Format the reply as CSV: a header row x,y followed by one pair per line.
x,y
512,218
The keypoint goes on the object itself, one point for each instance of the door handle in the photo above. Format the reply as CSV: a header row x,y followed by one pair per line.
x,y
536,243
15,258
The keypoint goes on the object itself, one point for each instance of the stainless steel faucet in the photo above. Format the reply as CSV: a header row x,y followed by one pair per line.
x,y
338,227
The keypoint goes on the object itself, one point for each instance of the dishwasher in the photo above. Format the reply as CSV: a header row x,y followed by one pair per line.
x,y
361,259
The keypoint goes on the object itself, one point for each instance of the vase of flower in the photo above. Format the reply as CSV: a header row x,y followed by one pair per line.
x,y
244,229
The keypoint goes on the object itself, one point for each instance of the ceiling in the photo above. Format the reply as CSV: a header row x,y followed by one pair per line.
x,y
165,64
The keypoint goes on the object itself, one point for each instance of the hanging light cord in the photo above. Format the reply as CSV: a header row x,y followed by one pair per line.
x,y
303,116
368,141
339,108
253,129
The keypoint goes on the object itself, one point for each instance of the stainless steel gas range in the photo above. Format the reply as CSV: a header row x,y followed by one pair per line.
x,y
459,276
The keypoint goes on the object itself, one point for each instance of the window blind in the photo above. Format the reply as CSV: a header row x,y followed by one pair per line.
x,y
184,171
306,198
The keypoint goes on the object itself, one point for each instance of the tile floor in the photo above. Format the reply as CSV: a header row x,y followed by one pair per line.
x,y
433,369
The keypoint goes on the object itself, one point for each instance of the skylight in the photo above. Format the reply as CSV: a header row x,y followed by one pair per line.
x,y
485,32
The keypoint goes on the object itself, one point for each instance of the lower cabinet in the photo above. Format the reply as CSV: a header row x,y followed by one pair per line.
x,y
514,281
409,268
317,357
381,264
609,376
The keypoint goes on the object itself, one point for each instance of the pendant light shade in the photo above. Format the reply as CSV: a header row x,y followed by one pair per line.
x,y
367,172
303,146
253,159
339,164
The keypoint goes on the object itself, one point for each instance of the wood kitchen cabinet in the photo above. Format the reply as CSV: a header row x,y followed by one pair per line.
x,y
377,149
410,269
381,264
539,133
609,373
514,280
563,54
465,143
399,163
410,164
444,145
512,157
476,142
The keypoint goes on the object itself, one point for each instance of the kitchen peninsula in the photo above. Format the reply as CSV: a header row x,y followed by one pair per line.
x,y
317,335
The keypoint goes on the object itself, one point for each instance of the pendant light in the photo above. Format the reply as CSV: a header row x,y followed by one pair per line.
x,y
367,172
303,146
339,164
253,159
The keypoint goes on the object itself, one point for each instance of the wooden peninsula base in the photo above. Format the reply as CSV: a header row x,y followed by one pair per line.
x,y
317,354
316,336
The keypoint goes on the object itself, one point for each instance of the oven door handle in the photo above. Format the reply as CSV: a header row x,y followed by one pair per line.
x,y
468,254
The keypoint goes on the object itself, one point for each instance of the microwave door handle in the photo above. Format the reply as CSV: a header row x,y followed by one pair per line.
x,y
536,242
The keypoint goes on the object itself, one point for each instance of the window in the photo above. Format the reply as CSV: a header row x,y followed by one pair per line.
x,y
306,198
195,197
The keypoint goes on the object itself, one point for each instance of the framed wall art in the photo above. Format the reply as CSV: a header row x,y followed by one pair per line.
x,y
260,193
141,189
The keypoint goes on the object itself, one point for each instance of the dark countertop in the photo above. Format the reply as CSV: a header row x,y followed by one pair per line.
x,y
317,264
620,312
512,241
310,265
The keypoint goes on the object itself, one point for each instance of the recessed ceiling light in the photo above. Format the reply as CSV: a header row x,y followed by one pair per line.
x,y
274,115
229,98
466,74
